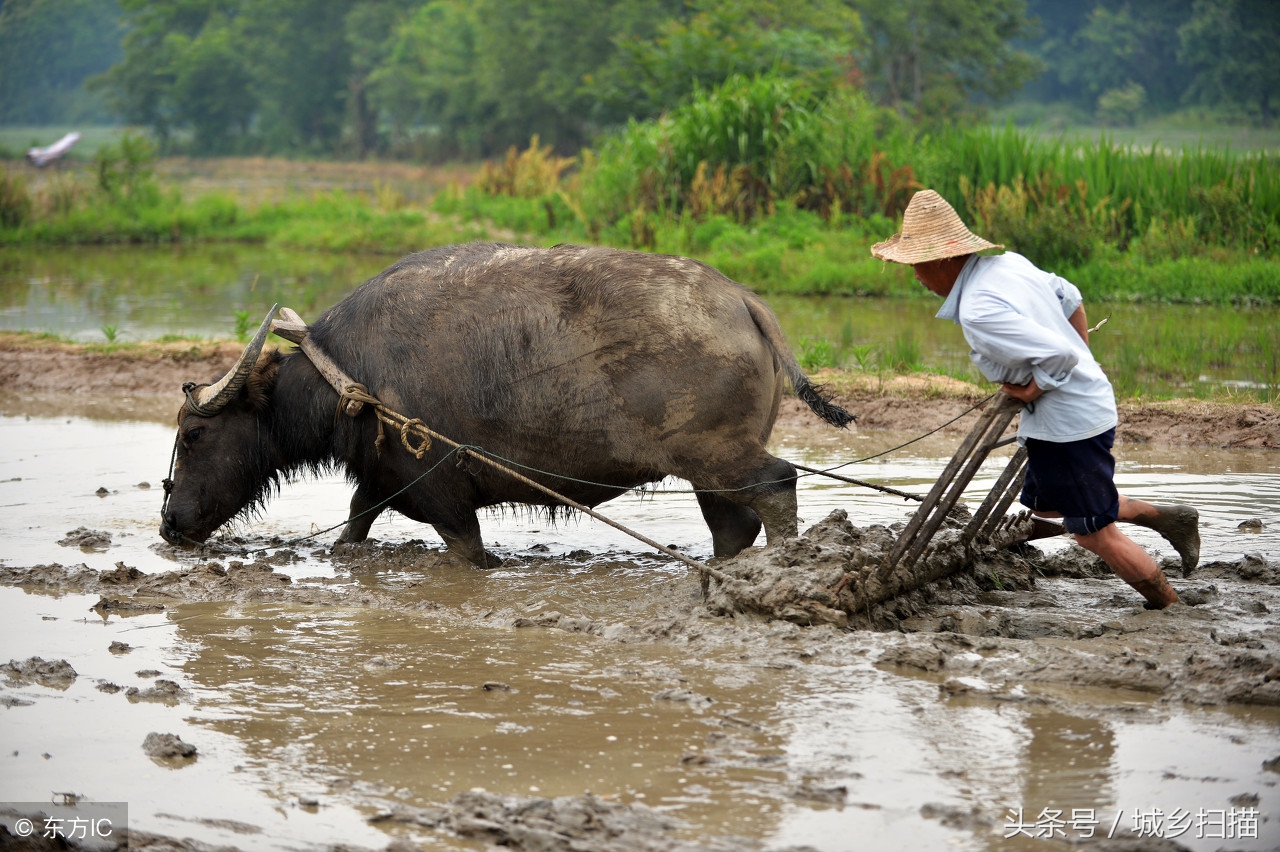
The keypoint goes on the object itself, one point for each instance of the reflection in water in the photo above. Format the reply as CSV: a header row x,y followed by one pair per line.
x,y
1068,771
423,707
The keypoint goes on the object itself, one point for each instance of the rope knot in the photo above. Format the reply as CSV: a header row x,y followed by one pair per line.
x,y
353,397
410,427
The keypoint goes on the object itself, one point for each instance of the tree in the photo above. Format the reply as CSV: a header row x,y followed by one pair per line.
x,y
48,48
722,39
298,54
1233,47
426,83
369,26
476,77
183,68
1122,44
931,58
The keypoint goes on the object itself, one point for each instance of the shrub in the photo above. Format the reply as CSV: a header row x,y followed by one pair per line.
x,y
532,173
1050,223
817,354
125,170
15,199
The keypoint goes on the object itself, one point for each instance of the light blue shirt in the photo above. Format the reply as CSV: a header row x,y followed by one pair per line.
x,y
1015,318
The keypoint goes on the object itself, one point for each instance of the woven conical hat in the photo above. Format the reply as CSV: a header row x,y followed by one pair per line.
x,y
931,230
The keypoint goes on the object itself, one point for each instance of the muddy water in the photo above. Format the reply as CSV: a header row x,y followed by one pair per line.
x,y
309,719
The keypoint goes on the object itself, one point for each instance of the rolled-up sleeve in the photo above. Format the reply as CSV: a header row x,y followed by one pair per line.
x,y
1068,295
1010,347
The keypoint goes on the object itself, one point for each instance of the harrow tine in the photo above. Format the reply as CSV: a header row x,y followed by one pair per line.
x,y
941,499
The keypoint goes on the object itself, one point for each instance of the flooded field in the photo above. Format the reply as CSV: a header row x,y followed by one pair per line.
x,y
131,294
390,695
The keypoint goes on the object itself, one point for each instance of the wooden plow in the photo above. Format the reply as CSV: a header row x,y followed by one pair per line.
x,y
942,498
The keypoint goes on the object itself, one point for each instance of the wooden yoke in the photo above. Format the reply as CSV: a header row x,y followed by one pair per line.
x,y
291,327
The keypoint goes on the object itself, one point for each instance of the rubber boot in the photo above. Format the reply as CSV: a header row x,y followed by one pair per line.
x,y
1157,591
1180,526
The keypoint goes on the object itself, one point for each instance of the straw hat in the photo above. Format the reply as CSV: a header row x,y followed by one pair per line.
x,y
931,230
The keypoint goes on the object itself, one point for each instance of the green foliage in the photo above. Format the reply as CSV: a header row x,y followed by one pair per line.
x,y
817,354
1122,105
126,170
810,39
902,354
531,173
1232,45
744,147
1053,224
243,325
931,59
47,49
15,199
1117,191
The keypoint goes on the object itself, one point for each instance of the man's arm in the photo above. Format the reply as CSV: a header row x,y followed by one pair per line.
x,y
1080,323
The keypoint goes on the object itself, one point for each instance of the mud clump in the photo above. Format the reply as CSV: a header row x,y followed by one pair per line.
x,y
55,674
570,823
92,541
832,575
162,692
167,747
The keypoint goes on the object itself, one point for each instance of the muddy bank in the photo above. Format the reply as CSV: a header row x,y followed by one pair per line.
x,y
909,403
145,380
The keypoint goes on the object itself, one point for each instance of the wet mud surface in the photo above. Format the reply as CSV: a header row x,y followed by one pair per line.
x,y
587,695
1046,635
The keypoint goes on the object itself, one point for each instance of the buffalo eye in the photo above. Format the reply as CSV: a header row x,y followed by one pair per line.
x,y
193,434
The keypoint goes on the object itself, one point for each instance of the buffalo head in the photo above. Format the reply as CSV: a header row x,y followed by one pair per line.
x,y
222,458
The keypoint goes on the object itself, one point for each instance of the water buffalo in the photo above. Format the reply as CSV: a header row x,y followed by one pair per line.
x,y
607,368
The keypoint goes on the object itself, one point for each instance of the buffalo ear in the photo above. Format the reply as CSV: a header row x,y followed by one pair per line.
x,y
262,381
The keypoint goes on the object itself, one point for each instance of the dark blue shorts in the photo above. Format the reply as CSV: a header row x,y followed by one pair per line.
x,y
1076,479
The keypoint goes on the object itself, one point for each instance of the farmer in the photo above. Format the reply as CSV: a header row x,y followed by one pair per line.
x,y
1027,331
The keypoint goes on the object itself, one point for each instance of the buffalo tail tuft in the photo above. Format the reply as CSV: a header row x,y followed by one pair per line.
x,y
822,405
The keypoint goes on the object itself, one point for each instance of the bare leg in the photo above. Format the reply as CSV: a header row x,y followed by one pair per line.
x,y
1131,564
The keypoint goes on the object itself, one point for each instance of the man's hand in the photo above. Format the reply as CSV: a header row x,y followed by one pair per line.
x,y
1029,392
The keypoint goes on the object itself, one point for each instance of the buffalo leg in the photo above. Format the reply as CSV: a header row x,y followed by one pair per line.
x,y
462,537
767,493
365,509
733,527
772,496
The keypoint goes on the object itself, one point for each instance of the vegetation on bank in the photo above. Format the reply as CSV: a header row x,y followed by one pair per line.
x,y
781,185
784,188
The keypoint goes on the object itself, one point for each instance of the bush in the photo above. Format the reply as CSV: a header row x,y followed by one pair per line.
x,y
126,170
1048,222
531,173
15,199
1121,106
747,148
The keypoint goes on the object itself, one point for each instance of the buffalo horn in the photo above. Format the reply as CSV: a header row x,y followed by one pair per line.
x,y
213,398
